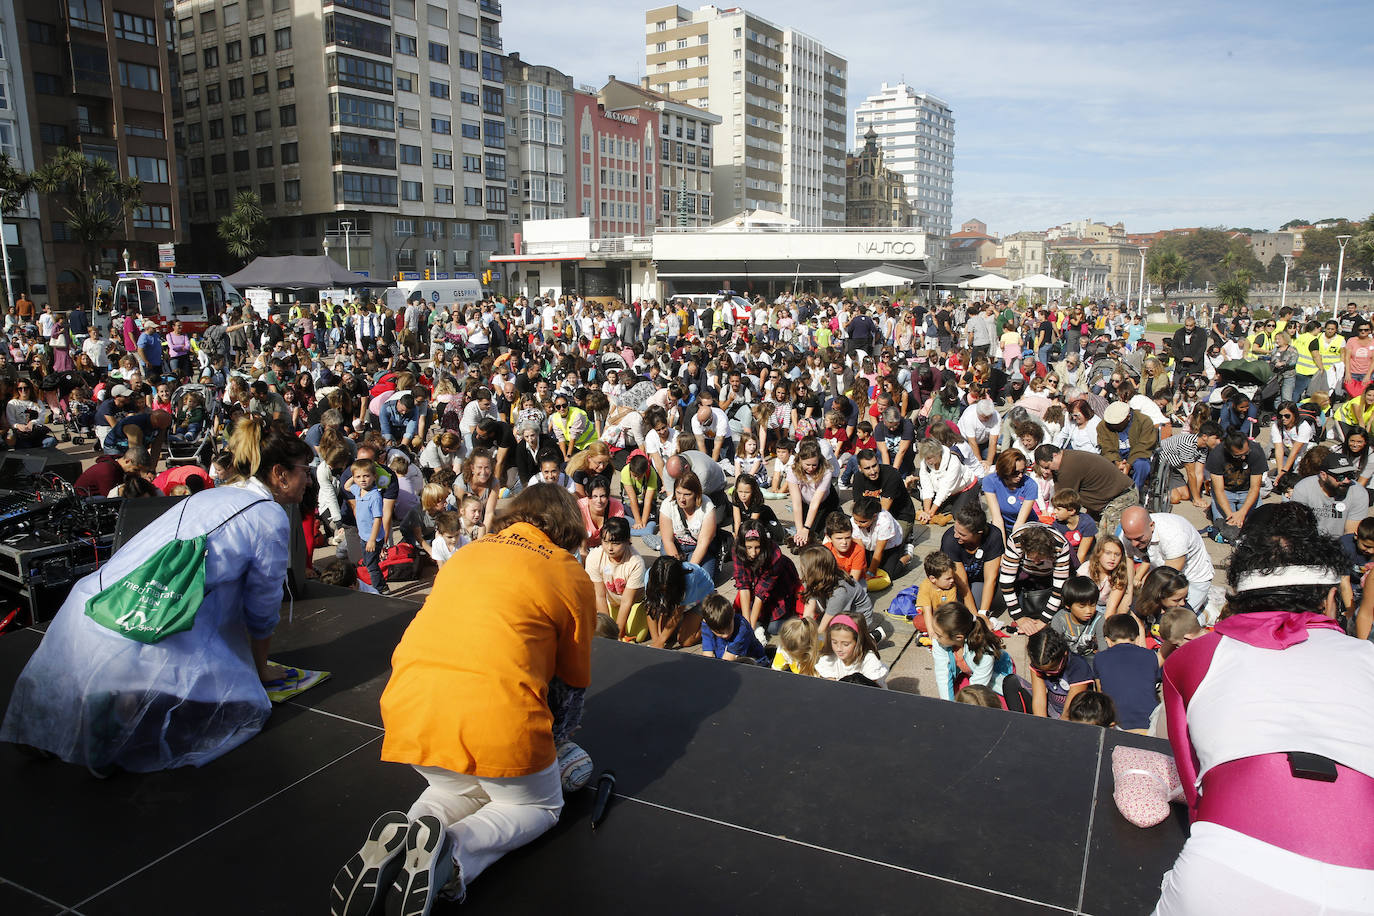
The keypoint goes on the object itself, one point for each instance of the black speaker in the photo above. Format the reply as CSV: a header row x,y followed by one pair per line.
x,y
18,464
137,514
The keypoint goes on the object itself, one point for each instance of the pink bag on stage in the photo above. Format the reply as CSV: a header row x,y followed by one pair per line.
x,y
1146,781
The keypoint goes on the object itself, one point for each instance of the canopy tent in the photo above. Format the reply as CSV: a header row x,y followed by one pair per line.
x,y
883,275
950,277
990,282
1039,281
298,272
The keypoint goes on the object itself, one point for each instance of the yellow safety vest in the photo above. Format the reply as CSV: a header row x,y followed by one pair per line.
x,y
1258,349
1306,364
588,435
1331,350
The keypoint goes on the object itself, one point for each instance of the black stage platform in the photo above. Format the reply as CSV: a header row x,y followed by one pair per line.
x,y
741,790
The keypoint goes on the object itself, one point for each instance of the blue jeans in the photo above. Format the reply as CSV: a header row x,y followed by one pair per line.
x,y
651,528
1140,471
1234,499
1300,384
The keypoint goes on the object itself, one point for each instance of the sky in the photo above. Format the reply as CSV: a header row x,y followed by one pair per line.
x,y
1159,115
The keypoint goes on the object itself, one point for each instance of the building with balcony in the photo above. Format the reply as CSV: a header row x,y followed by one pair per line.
x,y
875,194
93,78
539,111
916,134
373,128
781,97
617,157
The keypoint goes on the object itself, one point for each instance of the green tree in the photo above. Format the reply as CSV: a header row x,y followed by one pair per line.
x,y
1274,272
1205,251
242,229
1293,222
1319,246
1166,267
1235,289
90,194
1059,266
16,184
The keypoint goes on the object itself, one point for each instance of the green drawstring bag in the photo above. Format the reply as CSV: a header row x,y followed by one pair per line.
x,y
161,595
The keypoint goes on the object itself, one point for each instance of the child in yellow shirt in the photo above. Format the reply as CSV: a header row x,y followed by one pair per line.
x,y
940,586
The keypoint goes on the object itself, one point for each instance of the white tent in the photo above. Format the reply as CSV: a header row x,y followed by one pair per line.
x,y
988,282
875,278
1040,281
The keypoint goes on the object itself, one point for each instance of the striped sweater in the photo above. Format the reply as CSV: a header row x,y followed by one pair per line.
x,y
1013,565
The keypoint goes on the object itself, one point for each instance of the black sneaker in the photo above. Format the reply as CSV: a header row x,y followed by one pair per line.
x,y
428,871
361,885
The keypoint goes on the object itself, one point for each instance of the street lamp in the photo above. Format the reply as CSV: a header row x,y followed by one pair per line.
x,y
1142,249
1340,269
1323,274
1283,296
125,254
9,294
348,252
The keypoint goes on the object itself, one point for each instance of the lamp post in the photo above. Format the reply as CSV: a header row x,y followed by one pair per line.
x,y
348,251
325,242
1283,296
9,294
1142,249
1323,274
1340,270
125,255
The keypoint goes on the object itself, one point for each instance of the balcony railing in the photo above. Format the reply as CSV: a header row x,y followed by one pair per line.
x,y
491,41
490,6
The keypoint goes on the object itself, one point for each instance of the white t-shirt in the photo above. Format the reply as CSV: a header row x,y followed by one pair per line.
x,y
615,578
663,446
1145,406
972,426
885,531
870,666
549,316
1174,537
720,426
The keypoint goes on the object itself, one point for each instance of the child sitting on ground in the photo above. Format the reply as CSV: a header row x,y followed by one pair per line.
x,y
954,630
1129,673
725,634
471,513
863,438
766,582
617,574
748,507
448,537
849,653
828,591
1075,525
1092,707
1177,626
1057,675
798,647
673,591
339,572
978,695
784,453
940,586
1079,621
1111,572
849,553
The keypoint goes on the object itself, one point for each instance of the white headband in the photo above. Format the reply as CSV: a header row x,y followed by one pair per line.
x,y
1289,575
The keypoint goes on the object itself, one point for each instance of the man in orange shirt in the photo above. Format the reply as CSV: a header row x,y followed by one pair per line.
x,y
24,306
467,707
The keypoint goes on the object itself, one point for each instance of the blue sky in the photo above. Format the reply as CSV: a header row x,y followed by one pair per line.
x,y
1157,115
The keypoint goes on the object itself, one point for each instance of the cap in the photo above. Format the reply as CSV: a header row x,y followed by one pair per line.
x,y
1116,413
121,391
1337,466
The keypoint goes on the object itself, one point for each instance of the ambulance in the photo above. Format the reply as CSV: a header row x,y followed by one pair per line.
x,y
196,300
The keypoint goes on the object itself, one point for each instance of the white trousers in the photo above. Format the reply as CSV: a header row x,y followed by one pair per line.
x,y
489,817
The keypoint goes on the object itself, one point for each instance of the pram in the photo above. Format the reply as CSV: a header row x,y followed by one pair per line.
x,y
196,445
1257,380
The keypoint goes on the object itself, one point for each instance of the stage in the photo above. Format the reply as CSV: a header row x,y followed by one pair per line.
x,y
739,790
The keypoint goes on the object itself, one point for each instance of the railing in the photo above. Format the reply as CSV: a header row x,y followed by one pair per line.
x,y
491,41
641,244
490,6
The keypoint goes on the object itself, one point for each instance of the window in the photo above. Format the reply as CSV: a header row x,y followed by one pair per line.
x,y
586,143
240,160
438,89
405,82
660,47
354,188
469,98
207,21
88,14
496,200
440,125
356,111
221,199
402,228
291,190
558,191
554,103
197,168
405,8
138,76
212,94
236,88
282,37
410,155
407,45
265,157
238,125
216,129
152,217
254,9
412,190
262,119
286,116
488,232
436,16
472,130
681,43
135,28
194,133
267,192
438,52
494,133
148,169
290,155
218,164
375,7
496,167
231,14
191,98
186,28
472,197
555,132
233,51
443,161
358,34
434,229
358,73
472,164
257,45
493,67
443,194
211,58
493,100
259,84
467,60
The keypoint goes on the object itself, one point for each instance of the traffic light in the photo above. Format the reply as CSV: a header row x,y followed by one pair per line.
x,y
486,278
426,273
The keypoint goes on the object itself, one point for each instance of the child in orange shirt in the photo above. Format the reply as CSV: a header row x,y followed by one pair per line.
x,y
849,553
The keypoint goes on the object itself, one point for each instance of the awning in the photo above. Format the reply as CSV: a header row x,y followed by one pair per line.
x,y
509,258
771,269
883,275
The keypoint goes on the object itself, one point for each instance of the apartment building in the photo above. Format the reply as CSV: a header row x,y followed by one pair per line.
x,y
616,161
93,78
781,97
916,134
539,107
375,128
684,151
23,229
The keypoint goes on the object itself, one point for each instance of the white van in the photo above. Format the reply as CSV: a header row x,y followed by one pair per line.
x,y
195,300
438,293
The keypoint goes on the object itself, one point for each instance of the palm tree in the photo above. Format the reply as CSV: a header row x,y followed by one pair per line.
x,y
241,229
90,193
15,184
1166,268
1235,289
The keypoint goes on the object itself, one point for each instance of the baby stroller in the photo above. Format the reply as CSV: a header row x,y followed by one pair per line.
x,y
1256,380
195,444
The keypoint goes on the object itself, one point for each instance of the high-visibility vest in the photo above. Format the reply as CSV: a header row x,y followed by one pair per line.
x,y
1306,364
588,435
1331,350
1261,349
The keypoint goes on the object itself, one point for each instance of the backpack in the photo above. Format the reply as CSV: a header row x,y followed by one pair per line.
x,y
399,564
451,416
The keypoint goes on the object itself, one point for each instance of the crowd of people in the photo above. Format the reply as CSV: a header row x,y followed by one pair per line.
x,y
801,453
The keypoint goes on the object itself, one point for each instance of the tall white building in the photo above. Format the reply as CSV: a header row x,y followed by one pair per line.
x,y
781,97
916,134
